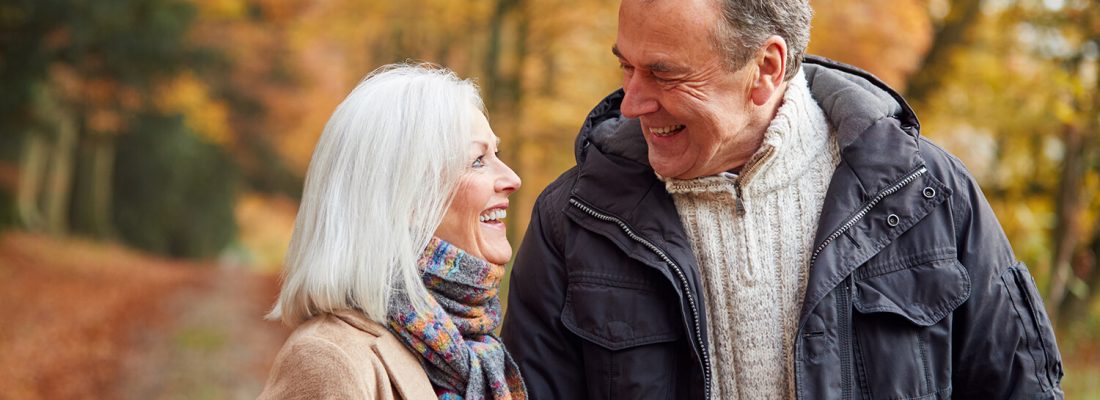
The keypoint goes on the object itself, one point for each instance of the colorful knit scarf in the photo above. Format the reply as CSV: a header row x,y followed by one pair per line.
x,y
455,340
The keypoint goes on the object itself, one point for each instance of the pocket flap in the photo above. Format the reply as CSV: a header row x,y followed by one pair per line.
x,y
922,293
619,315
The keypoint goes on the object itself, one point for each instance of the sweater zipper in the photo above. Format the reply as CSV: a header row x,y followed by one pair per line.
x,y
844,308
753,165
679,274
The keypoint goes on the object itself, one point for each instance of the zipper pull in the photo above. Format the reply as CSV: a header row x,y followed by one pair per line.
x,y
739,202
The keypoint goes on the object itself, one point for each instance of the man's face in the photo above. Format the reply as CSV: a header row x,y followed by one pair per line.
x,y
696,115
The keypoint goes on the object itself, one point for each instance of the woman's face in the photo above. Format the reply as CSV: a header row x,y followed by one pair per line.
x,y
474,221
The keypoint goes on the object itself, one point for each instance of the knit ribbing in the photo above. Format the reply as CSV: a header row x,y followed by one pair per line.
x,y
754,261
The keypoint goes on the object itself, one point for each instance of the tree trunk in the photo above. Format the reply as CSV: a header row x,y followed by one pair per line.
x,y
1085,158
503,91
59,182
32,169
92,199
1067,230
952,34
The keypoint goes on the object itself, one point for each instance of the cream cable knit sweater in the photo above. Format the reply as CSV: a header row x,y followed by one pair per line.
x,y
752,236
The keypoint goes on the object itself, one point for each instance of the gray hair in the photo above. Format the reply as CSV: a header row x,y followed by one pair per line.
x,y
746,24
381,178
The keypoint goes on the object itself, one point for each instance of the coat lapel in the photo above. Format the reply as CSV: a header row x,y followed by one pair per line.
x,y
403,367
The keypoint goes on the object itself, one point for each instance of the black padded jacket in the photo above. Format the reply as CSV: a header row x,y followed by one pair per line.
x,y
913,290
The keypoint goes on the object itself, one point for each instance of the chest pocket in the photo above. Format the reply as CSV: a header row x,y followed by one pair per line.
x,y
903,335
630,334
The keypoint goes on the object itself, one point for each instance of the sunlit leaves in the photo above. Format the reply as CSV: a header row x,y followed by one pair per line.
x,y
204,114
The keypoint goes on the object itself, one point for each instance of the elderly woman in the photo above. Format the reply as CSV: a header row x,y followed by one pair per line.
x,y
393,270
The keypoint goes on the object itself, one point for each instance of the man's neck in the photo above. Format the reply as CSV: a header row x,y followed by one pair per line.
x,y
758,126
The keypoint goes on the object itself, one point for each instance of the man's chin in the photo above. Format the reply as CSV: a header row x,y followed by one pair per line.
x,y
667,170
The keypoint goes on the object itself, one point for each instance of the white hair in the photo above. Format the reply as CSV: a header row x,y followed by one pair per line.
x,y
382,175
746,24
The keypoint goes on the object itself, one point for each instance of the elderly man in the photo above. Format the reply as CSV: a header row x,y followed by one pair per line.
x,y
747,223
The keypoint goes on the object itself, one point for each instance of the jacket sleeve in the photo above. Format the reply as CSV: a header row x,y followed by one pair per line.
x,y
548,355
1005,346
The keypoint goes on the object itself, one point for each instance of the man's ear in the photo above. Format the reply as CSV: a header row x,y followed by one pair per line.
x,y
771,67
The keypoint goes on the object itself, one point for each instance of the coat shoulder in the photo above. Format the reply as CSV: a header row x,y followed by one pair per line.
x,y
340,356
315,363
947,168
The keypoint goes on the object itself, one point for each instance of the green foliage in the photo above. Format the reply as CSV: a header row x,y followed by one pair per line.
x,y
107,64
174,192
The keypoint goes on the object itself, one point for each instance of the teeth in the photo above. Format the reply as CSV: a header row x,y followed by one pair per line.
x,y
665,131
493,215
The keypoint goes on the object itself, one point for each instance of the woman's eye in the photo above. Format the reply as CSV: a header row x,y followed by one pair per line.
x,y
479,162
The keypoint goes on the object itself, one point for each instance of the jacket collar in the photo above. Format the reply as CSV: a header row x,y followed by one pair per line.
x,y
853,101
878,136
402,366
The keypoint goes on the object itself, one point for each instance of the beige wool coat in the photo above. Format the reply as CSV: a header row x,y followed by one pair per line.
x,y
346,356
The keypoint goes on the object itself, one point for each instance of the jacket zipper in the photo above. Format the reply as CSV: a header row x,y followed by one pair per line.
x,y
844,297
679,273
844,314
863,211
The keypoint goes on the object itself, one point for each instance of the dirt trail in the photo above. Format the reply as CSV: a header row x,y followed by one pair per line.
x,y
213,344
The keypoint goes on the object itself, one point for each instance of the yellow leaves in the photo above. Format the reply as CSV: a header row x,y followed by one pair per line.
x,y
222,9
266,224
1064,112
191,97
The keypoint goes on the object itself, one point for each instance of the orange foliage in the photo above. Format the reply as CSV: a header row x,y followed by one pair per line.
x,y
70,307
887,38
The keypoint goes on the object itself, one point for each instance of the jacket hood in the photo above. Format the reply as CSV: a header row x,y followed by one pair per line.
x,y
851,98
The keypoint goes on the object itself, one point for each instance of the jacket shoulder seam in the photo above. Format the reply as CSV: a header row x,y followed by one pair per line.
x,y
960,206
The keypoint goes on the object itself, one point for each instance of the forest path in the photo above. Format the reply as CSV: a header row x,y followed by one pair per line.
x,y
213,344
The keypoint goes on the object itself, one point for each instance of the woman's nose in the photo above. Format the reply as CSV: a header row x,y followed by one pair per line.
x,y
508,182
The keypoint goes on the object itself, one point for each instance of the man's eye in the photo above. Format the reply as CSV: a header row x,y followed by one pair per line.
x,y
626,68
479,162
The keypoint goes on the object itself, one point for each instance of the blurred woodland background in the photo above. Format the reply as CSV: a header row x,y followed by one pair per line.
x,y
152,154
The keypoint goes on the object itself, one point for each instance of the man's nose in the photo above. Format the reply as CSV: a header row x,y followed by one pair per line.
x,y
638,99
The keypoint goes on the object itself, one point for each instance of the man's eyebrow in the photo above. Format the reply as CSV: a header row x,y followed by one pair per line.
x,y
615,51
659,66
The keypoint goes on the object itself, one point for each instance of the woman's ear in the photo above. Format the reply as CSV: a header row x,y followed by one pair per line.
x,y
771,67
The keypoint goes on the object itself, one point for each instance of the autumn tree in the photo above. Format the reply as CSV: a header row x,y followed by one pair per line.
x,y
1020,108
84,78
